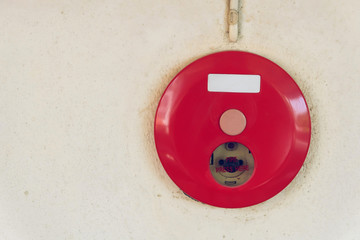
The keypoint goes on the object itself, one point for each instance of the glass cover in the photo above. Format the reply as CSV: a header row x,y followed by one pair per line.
x,y
231,164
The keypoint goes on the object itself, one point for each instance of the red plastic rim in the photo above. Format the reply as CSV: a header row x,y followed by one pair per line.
x,y
187,129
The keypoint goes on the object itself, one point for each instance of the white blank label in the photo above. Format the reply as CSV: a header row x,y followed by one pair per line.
x,y
235,83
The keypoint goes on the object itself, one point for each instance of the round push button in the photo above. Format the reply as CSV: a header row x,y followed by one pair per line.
x,y
232,122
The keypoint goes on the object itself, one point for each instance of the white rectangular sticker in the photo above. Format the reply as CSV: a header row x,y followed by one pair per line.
x,y
235,83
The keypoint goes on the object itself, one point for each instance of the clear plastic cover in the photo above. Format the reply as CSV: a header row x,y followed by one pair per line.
x,y
231,164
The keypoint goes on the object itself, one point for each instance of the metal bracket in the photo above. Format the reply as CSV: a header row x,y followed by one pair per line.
x,y
233,20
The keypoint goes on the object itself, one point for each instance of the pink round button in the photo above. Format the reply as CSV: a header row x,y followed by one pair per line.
x,y
232,122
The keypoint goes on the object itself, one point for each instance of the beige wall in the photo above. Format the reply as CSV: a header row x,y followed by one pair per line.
x,y
79,85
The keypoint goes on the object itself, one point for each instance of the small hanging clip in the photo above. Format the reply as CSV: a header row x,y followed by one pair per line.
x,y
233,20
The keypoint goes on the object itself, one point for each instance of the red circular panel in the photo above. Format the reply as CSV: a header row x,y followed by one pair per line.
x,y
277,129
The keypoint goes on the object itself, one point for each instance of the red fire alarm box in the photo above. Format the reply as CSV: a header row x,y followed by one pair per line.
x,y
232,129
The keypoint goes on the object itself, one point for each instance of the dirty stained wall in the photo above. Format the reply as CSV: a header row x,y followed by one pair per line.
x,y
79,86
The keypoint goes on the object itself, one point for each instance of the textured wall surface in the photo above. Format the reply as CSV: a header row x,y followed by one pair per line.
x,y
79,86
